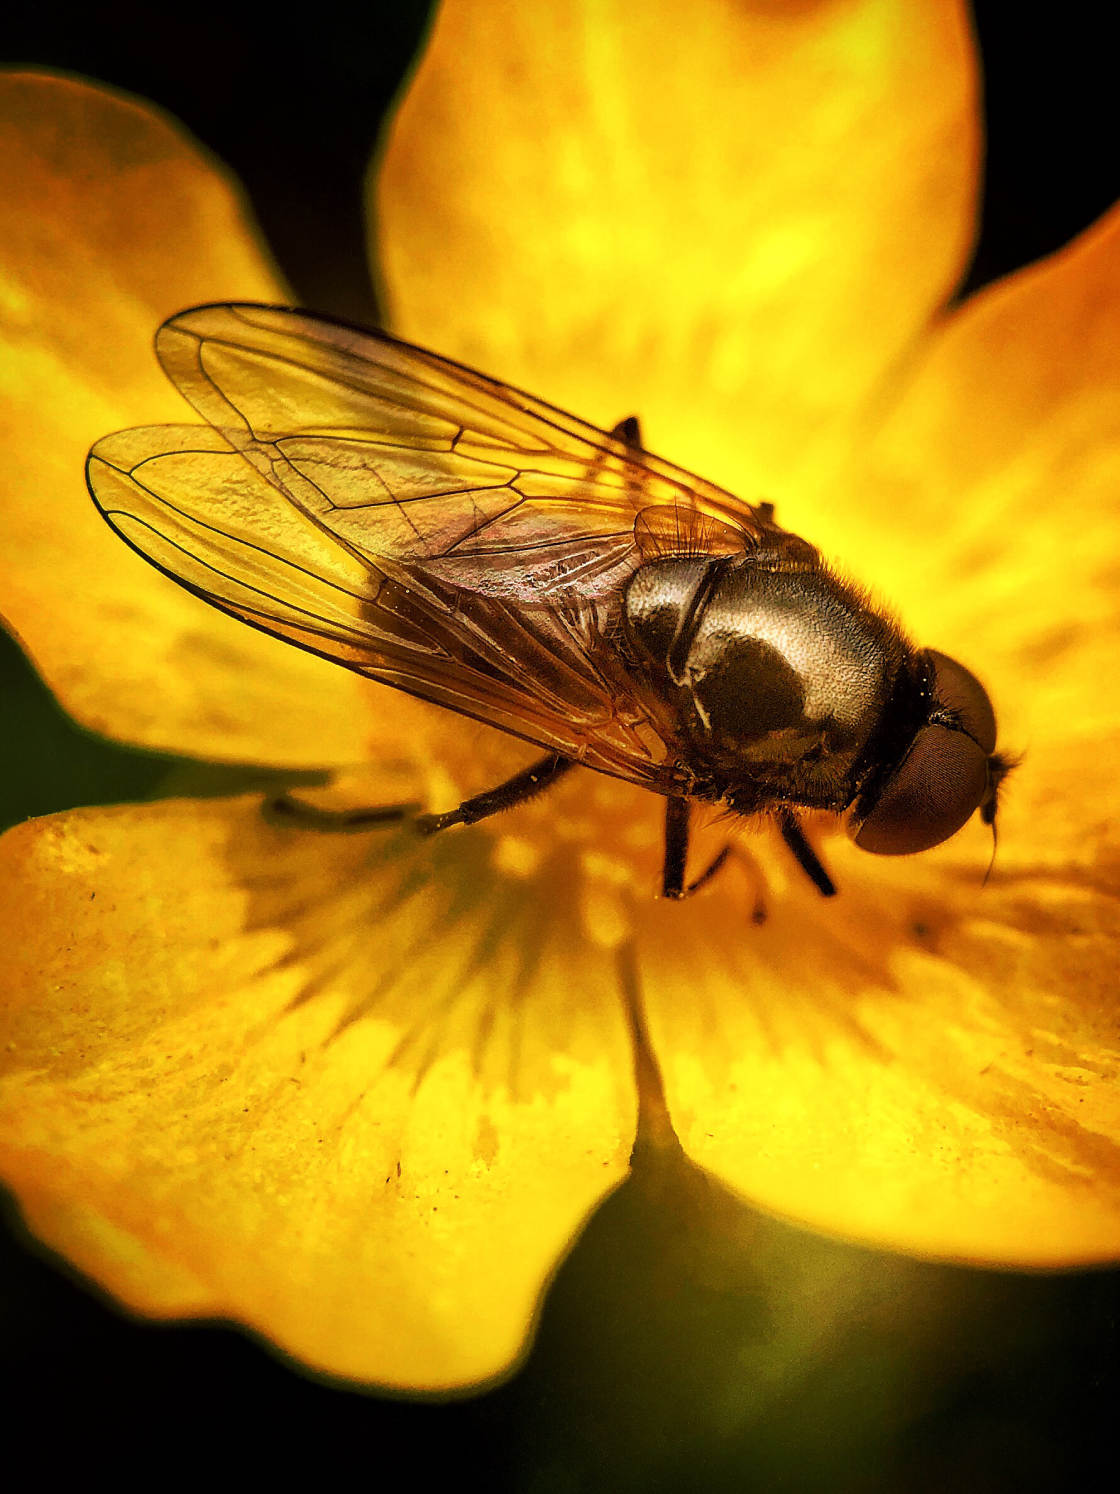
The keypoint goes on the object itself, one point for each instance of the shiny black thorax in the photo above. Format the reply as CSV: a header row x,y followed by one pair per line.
x,y
786,687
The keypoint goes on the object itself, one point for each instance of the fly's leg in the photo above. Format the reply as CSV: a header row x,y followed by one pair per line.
x,y
527,784
804,855
677,814
676,847
630,431
717,863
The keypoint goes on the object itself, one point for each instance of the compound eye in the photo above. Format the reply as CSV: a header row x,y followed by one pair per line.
x,y
959,689
937,787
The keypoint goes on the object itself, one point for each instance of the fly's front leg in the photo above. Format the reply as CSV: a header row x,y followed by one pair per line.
x,y
804,855
527,784
516,790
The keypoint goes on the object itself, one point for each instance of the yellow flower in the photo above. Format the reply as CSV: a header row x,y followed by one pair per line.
x,y
360,1091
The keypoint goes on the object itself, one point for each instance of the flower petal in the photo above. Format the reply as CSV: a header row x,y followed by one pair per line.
x,y
920,1063
730,219
926,1063
353,1091
110,220
999,467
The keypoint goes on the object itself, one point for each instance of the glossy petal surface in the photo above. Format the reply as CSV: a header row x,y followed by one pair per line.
x,y
355,1091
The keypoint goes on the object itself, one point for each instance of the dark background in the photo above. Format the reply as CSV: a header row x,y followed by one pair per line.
x,y
684,1344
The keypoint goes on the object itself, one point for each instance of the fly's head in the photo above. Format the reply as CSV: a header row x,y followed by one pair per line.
x,y
948,771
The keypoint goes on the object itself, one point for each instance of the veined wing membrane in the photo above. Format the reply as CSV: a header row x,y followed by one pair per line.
x,y
403,455
195,508
415,521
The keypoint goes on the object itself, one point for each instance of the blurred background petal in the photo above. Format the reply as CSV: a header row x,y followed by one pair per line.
x,y
112,218
1004,446
617,206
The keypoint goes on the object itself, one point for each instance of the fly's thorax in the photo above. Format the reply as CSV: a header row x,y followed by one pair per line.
x,y
780,672
660,600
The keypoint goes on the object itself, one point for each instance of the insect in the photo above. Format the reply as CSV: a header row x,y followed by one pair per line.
x,y
443,533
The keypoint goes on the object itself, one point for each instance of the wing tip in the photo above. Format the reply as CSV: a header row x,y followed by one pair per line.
x,y
94,463
211,312
107,484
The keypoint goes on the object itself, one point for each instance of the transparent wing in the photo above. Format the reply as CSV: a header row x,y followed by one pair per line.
x,y
413,520
407,456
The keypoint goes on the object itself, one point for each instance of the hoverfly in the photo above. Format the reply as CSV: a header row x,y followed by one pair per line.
x,y
443,533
